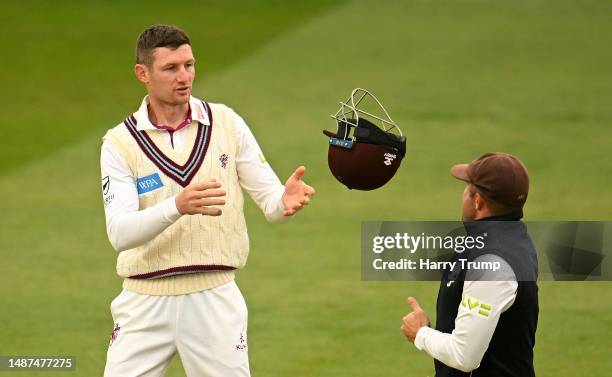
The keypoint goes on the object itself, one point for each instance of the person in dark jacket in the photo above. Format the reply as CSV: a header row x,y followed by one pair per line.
x,y
486,320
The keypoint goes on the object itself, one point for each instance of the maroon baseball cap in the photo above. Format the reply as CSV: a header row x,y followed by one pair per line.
x,y
500,177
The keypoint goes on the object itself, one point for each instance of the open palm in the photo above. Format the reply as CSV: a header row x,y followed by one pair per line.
x,y
297,193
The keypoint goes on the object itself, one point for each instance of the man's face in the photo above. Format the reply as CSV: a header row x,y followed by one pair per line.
x,y
169,79
468,208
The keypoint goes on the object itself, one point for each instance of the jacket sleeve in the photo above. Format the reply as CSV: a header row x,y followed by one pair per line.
x,y
482,303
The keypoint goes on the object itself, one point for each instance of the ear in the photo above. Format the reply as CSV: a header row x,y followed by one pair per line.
x,y
142,73
479,202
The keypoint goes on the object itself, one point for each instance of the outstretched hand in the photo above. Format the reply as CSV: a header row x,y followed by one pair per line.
x,y
297,193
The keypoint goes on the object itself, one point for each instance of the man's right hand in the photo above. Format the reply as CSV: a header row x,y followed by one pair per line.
x,y
200,198
412,323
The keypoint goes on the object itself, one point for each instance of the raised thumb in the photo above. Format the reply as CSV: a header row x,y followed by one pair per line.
x,y
414,304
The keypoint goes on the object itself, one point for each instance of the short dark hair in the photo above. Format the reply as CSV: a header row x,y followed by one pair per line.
x,y
158,36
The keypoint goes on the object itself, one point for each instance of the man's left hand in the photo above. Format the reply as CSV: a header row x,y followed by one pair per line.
x,y
412,322
297,193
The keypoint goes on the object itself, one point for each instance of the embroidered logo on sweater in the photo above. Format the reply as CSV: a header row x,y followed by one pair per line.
x,y
149,183
114,334
108,197
243,344
223,159
105,185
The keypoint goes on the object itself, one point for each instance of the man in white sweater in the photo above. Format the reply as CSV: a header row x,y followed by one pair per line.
x,y
172,180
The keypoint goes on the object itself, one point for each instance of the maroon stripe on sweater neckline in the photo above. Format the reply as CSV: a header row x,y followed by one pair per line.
x,y
194,148
182,174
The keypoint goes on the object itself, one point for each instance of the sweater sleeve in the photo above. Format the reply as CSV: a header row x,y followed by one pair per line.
x,y
256,176
127,226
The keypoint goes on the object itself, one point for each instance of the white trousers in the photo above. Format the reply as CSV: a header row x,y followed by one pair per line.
x,y
208,329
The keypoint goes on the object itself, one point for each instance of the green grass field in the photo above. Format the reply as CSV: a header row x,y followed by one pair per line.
x,y
460,77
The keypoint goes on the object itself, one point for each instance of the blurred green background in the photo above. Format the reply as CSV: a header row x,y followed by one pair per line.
x,y
531,78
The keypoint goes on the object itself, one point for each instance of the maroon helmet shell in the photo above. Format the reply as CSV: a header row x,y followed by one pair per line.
x,y
365,166
367,161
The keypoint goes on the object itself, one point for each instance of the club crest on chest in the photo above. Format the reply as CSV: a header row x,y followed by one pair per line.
x,y
224,159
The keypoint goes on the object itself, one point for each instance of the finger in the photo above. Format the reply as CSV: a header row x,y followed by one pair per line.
x,y
310,190
211,211
295,207
298,173
414,304
200,186
289,212
210,194
305,201
209,202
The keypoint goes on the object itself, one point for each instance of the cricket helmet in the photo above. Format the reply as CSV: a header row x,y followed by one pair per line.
x,y
366,150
